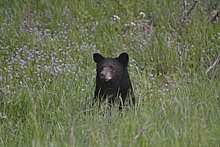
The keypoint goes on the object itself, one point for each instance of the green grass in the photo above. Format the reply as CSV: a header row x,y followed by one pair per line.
x,y
47,74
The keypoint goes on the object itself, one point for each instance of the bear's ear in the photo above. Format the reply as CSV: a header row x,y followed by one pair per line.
x,y
97,57
123,58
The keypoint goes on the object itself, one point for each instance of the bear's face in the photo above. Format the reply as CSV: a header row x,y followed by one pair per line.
x,y
110,69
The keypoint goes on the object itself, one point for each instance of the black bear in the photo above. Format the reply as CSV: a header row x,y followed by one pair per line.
x,y
112,79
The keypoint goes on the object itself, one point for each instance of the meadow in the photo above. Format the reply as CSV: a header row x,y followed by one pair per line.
x,y
47,73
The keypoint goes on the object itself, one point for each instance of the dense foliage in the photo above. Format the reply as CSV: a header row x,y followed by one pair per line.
x,y
47,72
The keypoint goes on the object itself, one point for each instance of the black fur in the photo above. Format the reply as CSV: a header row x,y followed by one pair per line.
x,y
112,79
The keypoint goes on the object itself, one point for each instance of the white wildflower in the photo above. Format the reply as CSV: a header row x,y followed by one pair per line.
x,y
126,25
116,17
142,14
133,24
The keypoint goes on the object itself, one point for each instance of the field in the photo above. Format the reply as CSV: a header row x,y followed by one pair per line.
x,y
47,72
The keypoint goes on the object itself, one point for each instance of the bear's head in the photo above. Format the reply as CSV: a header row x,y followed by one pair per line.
x,y
110,69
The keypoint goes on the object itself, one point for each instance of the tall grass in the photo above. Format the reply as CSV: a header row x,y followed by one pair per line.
x,y
47,73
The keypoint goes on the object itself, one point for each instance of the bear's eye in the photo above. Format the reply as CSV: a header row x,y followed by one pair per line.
x,y
111,67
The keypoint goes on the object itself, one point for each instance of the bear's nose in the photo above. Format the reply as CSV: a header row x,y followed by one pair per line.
x,y
102,76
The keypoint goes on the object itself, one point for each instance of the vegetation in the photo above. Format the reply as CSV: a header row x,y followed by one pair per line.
x,y
47,72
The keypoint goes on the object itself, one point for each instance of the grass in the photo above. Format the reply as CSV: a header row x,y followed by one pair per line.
x,y
47,73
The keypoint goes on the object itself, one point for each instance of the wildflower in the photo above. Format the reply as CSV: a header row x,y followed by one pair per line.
x,y
4,116
116,17
133,24
142,14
